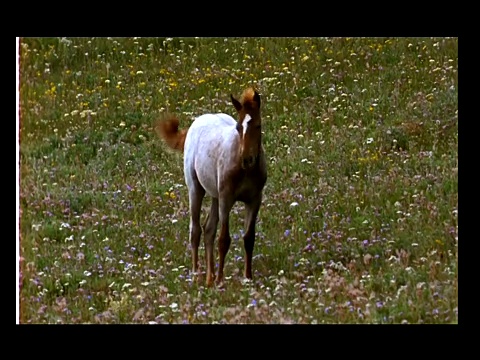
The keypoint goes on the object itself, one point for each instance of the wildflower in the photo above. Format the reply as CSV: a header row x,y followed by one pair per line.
x,y
286,233
293,204
65,41
246,281
369,140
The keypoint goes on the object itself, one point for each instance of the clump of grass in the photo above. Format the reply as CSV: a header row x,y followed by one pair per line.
x,y
359,217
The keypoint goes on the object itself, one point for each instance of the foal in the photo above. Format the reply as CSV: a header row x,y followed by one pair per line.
x,y
225,159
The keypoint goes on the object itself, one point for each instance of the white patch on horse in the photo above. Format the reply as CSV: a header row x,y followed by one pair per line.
x,y
245,123
208,151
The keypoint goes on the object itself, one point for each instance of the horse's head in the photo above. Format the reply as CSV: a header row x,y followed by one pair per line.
x,y
249,127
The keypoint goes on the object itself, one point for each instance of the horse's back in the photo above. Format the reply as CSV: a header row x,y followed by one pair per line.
x,y
213,121
210,130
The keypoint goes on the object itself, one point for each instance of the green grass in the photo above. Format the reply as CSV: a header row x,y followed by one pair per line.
x,y
361,133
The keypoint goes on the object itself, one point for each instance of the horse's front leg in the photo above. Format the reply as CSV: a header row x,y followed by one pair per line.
x,y
251,212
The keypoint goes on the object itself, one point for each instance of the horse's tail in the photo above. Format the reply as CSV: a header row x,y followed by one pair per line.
x,y
167,129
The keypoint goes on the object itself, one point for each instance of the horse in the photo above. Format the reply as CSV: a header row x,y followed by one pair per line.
x,y
225,159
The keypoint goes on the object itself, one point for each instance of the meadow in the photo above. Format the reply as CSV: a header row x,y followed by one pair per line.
x,y
359,216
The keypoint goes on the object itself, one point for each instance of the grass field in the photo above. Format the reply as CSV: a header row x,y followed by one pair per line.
x,y
359,216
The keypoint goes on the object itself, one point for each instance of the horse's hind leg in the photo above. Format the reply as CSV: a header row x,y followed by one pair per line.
x,y
196,194
209,234
224,206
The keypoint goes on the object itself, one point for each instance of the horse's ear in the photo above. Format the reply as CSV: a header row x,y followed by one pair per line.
x,y
236,103
256,98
